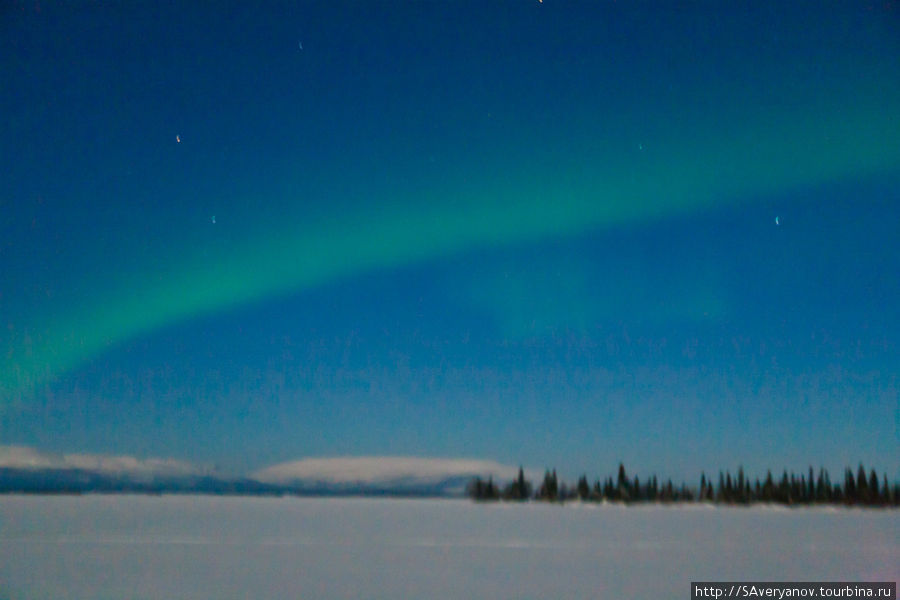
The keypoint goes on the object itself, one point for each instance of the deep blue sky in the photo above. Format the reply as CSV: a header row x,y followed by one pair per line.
x,y
540,233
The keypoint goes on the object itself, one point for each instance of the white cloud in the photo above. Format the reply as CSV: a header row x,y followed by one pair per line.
x,y
25,457
378,469
339,471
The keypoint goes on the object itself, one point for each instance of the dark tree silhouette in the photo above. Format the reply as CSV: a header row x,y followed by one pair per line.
x,y
858,488
850,495
550,488
584,490
622,487
519,489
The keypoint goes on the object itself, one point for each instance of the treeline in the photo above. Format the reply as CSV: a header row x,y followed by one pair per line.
x,y
863,489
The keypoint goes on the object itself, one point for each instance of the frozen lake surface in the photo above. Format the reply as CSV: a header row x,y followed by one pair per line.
x,y
173,547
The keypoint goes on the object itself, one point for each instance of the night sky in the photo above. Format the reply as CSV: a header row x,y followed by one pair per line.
x,y
532,232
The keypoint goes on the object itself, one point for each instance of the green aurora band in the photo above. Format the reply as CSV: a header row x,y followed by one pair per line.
x,y
778,151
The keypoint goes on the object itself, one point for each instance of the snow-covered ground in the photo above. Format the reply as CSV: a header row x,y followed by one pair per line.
x,y
173,547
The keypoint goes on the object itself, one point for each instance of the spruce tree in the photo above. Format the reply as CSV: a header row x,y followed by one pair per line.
x,y
862,485
584,489
821,488
784,489
849,487
520,489
811,486
550,488
768,491
622,481
476,489
490,490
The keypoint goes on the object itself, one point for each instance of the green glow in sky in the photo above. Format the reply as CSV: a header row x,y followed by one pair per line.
x,y
666,177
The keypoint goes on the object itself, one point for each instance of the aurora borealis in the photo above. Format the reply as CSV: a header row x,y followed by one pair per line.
x,y
517,231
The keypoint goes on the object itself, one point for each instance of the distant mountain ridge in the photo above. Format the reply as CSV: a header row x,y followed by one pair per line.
x,y
76,481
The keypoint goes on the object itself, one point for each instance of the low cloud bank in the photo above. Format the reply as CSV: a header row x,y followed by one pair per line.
x,y
27,458
382,471
27,469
